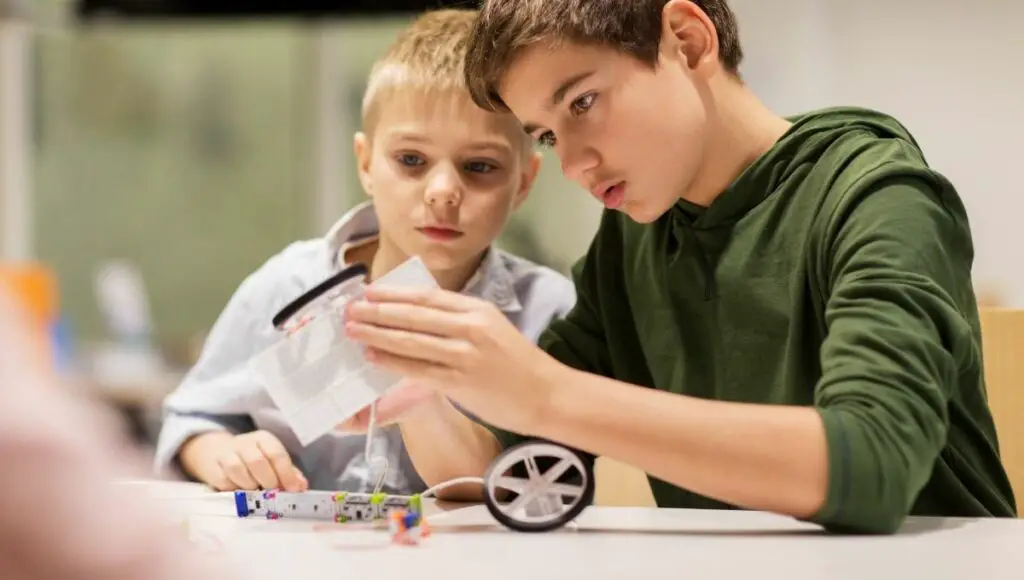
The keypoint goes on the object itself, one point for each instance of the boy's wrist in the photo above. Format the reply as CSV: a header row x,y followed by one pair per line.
x,y
556,384
435,409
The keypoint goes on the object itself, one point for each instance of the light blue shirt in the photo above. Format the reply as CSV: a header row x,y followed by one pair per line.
x,y
221,393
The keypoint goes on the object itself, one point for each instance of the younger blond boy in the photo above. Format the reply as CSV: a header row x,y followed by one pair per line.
x,y
443,177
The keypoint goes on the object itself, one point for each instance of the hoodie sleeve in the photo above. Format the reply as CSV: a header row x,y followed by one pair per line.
x,y
898,258
219,390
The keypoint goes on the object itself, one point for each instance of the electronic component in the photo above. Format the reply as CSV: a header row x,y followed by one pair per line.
x,y
407,527
337,506
550,485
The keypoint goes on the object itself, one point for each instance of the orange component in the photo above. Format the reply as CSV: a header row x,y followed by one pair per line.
x,y
33,287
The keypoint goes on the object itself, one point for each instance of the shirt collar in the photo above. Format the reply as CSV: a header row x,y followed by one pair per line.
x,y
493,281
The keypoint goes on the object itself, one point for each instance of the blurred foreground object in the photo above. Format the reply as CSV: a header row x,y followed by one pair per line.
x,y
51,439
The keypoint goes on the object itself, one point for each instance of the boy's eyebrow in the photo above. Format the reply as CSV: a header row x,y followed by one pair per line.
x,y
408,136
476,145
559,95
497,145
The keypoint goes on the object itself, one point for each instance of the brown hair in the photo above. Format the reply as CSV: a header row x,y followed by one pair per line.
x,y
428,55
506,27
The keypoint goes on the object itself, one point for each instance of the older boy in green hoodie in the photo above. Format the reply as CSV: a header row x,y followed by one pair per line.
x,y
775,314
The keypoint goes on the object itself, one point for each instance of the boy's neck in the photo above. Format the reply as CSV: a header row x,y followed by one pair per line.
x,y
742,129
382,257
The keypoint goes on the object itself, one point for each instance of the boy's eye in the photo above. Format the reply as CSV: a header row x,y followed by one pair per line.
x,y
582,104
480,167
546,139
410,159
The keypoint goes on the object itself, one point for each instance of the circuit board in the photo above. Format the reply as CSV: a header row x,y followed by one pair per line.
x,y
337,506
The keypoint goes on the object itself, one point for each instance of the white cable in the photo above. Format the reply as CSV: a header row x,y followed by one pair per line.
x,y
368,451
370,460
369,432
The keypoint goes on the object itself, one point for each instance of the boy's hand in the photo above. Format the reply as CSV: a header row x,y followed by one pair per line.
x,y
405,400
250,461
464,346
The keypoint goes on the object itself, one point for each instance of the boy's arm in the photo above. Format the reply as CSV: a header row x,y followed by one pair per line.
x,y
899,269
575,338
444,442
216,392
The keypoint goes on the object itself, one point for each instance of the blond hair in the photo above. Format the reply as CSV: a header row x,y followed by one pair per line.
x,y
427,56
506,27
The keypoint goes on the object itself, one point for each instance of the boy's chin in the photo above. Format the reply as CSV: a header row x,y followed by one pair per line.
x,y
644,211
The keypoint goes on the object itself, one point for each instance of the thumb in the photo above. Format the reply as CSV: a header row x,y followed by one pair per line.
x,y
356,424
395,403
303,482
403,397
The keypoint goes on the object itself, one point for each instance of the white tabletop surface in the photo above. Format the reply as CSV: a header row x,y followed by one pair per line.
x,y
606,542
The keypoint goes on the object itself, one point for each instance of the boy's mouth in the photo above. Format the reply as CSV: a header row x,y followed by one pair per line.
x,y
611,193
440,233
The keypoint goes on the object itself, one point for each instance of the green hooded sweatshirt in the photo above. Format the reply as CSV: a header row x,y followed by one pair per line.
x,y
835,272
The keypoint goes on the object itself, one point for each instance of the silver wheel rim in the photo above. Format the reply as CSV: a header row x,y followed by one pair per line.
x,y
540,498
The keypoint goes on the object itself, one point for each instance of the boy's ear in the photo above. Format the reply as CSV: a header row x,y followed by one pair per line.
x,y
688,35
364,152
531,167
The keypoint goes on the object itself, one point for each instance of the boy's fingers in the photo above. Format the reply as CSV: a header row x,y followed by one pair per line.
x,y
215,477
235,469
357,423
429,297
391,407
400,399
258,464
280,461
350,426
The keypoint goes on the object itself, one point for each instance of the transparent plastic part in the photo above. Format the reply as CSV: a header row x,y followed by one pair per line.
x,y
316,376
332,302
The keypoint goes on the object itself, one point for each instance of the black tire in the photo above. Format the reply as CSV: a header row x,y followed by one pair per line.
x,y
586,498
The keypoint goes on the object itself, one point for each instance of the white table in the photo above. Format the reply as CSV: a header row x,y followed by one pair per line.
x,y
612,543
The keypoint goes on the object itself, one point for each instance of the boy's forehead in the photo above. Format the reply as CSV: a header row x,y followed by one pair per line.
x,y
448,115
544,70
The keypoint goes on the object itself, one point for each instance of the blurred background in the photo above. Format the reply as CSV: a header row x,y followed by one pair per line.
x,y
149,163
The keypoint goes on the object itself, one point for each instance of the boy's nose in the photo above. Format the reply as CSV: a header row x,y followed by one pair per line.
x,y
577,162
443,189
448,196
